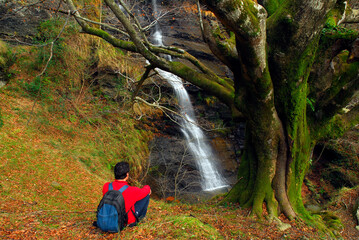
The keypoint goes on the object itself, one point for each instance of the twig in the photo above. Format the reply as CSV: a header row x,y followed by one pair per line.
x,y
103,24
143,78
165,110
320,155
58,7
200,17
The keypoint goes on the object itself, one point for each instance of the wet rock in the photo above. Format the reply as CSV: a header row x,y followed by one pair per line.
x,y
314,208
20,21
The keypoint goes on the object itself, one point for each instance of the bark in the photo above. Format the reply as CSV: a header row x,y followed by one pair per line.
x,y
222,47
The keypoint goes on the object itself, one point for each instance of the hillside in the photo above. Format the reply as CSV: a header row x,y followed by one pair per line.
x,y
66,118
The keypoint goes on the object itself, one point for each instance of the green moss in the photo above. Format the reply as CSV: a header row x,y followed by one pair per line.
x,y
331,33
243,190
332,221
336,13
334,128
211,86
272,6
281,28
126,45
189,227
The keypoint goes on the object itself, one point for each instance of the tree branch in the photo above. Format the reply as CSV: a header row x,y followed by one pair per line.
x,y
126,45
166,110
137,23
104,25
224,49
140,45
345,82
350,16
205,79
143,78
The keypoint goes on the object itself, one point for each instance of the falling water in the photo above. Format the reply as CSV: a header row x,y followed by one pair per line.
x,y
196,140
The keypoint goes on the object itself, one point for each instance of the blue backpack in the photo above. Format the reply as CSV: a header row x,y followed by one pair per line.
x,y
111,212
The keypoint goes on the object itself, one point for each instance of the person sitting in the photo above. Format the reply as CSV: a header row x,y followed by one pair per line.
x,y
136,199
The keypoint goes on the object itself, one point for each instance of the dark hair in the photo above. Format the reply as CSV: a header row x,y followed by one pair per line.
x,y
121,170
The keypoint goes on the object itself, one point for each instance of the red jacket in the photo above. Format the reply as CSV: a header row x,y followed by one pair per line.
x,y
131,196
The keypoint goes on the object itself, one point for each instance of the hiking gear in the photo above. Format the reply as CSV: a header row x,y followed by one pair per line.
x,y
111,212
131,195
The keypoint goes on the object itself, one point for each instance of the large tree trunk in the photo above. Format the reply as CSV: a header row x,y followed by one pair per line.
x,y
273,166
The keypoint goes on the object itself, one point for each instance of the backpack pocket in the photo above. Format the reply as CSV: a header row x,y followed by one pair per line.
x,y
107,218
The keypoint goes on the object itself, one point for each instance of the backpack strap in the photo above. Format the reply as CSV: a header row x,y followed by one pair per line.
x,y
110,187
123,188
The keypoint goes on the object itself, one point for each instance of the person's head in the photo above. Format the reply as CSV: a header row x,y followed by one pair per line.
x,y
121,170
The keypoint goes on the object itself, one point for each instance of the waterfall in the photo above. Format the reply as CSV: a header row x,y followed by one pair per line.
x,y
196,140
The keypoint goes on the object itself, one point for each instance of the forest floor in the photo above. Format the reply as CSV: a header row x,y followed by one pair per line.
x,y
24,220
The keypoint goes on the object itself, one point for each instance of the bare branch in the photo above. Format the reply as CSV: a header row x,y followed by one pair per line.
x,y
143,78
350,16
140,45
130,46
200,16
137,23
104,25
166,110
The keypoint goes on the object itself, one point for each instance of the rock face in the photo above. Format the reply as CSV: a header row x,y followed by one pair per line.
x,y
19,21
173,170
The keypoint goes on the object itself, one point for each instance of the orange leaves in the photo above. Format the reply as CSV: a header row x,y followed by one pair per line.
x,y
170,199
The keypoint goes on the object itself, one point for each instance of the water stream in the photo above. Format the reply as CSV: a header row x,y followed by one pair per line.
x,y
197,142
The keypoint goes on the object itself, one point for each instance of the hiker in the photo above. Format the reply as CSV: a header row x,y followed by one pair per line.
x,y
136,199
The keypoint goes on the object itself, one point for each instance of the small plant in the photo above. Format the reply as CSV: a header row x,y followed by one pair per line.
x,y
1,121
311,102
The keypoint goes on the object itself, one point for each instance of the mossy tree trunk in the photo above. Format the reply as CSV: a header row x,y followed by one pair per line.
x,y
275,49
